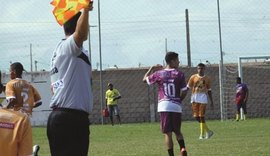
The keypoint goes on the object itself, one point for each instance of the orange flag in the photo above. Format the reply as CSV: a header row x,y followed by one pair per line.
x,y
66,9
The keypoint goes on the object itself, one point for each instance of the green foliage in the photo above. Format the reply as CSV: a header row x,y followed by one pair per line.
x,y
250,137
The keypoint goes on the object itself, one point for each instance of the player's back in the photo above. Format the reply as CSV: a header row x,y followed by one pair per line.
x,y
15,133
22,91
170,81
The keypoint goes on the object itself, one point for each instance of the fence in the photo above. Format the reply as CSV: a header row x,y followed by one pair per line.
x,y
137,34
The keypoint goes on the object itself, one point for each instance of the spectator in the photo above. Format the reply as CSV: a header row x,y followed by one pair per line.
x,y
112,96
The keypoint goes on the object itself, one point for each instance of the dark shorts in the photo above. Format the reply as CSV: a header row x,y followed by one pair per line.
x,y
242,105
170,122
68,132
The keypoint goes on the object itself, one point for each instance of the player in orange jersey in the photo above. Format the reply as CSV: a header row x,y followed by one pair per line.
x,y
200,86
20,94
15,133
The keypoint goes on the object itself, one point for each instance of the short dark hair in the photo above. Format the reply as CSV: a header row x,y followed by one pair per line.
x,y
17,67
170,56
238,79
201,65
70,25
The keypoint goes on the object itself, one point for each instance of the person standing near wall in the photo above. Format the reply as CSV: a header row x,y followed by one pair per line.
x,y
200,86
72,101
111,98
171,91
241,98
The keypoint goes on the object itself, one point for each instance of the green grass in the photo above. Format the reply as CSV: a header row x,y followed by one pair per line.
x,y
230,138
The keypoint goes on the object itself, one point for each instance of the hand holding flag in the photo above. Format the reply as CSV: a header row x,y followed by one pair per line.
x,y
66,9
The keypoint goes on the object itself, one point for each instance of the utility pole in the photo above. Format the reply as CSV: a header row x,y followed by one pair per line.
x,y
100,63
36,65
188,39
166,45
221,66
166,50
31,58
89,44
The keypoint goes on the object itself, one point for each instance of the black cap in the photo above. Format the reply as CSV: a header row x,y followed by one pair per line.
x,y
18,67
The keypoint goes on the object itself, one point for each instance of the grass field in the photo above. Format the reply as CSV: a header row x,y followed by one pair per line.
x,y
243,138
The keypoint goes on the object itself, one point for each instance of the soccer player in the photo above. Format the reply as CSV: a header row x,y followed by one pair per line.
x,y
171,91
201,89
20,94
72,101
15,133
241,98
112,96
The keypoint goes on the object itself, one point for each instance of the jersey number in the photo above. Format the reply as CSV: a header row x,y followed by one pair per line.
x,y
25,97
169,89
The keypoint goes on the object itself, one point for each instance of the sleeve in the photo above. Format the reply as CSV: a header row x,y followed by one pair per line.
x,y
10,92
246,88
183,84
153,78
37,97
117,92
106,95
190,82
26,143
71,46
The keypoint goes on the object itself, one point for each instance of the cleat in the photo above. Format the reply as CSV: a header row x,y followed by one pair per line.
x,y
35,150
209,134
201,137
183,152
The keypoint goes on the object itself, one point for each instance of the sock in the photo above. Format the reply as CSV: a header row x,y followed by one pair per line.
x,y
201,129
181,143
237,117
206,129
244,116
170,152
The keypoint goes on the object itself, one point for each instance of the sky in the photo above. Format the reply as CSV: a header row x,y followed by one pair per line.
x,y
134,33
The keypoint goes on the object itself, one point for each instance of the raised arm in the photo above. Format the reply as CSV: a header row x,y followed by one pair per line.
x,y
82,28
152,70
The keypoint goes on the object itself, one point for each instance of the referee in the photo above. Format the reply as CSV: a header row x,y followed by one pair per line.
x,y
72,101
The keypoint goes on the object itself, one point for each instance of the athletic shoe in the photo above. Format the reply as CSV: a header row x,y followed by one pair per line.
x,y
35,150
209,134
183,152
201,137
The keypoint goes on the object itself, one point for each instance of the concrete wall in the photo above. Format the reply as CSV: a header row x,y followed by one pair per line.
x,y
139,101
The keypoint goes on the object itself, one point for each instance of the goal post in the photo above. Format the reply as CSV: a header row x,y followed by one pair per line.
x,y
240,58
246,66
240,69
